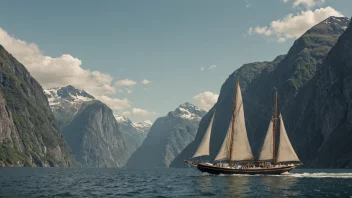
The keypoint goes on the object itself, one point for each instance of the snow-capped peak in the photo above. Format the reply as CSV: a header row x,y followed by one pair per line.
x,y
189,111
121,119
146,123
337,21
68,94
143,127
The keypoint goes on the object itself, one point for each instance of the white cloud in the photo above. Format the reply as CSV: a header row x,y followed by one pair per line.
x,y
281,40
293,26
206,100
138,112
306,3
126,113
212,67
125,82
247,3
115,103
61,71
201,68
145,82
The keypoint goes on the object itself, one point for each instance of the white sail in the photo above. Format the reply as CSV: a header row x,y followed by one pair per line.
x,y
203,148
222,155
267,149
286,152
241,149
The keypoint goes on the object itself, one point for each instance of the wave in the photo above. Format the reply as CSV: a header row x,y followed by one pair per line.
x,y
320,175
300,175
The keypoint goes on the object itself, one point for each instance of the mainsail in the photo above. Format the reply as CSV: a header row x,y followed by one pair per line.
x,y
267,149
236,146
203,148
286,152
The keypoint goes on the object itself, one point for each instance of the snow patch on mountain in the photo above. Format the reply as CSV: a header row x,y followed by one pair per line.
x,y
189,111
122,119
142,127
65,102
64,96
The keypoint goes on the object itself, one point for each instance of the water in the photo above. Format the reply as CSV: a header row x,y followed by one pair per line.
x,y
75,182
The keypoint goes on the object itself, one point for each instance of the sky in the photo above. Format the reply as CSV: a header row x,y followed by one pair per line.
x,y
145,58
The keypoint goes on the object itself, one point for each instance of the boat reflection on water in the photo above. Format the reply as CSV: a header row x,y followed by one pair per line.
x,y
238,186
248,186
229,186
205,184
282,185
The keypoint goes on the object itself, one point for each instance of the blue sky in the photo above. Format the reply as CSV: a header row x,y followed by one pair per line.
x,y
164,42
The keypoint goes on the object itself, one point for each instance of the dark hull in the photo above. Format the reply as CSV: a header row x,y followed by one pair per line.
x,y
265,171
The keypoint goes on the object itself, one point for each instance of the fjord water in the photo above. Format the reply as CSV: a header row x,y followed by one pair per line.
x,y
80,182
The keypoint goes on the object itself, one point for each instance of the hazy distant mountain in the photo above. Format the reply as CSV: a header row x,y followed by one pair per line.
x,y
65,102
294,77
133,133
95,137
168,136
29,134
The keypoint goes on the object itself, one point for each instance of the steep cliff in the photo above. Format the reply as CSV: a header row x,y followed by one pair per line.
x,y
332,104
293,77
95,138
168,136
29,134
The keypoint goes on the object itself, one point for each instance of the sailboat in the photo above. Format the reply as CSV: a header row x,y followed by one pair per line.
x,y
236,151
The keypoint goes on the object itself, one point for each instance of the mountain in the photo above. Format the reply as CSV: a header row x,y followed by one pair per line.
x,y
65,102
29,135
293,76
168,136
143,126
133,133
95,137
332,106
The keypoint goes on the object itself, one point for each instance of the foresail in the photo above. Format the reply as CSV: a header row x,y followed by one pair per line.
x,y
286,152
267,149
241,149
203,148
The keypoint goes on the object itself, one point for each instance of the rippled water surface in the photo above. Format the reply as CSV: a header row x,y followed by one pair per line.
x,y
75,182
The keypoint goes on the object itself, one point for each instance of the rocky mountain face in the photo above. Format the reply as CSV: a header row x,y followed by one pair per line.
x,y
168,136
29,135
332,106
133,133
293,75
65,102
95,138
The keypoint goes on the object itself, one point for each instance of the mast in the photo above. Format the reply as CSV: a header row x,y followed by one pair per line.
x,y
235,146
233,127
274,127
